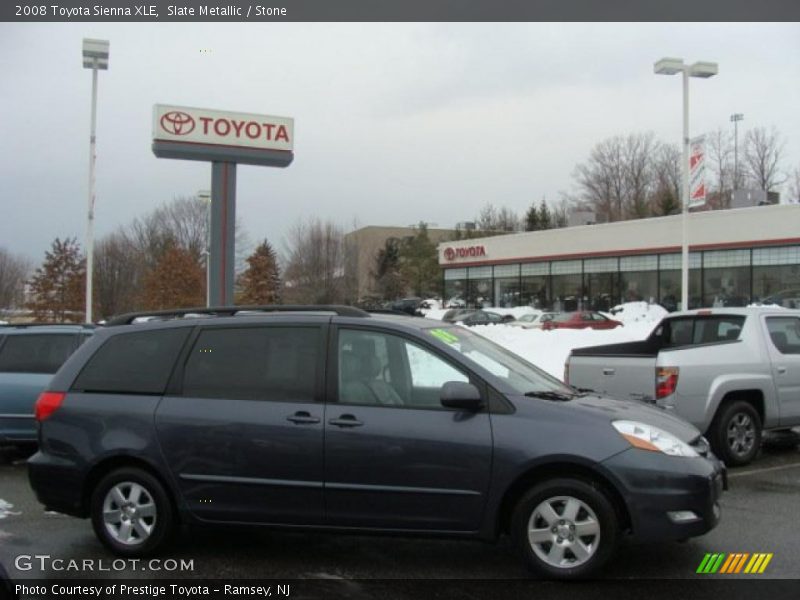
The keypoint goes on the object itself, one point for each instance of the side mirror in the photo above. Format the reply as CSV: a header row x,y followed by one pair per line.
x,y
457,394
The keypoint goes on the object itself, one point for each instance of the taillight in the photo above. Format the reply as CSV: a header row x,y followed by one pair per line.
x,y
48,403
666,381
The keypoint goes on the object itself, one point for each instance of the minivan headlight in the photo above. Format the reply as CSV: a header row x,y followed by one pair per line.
x,y
648,437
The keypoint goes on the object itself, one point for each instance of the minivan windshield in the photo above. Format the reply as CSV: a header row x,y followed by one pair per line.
x,y
520,376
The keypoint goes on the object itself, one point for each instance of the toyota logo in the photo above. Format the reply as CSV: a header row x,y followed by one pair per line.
x,y
177,123
449,253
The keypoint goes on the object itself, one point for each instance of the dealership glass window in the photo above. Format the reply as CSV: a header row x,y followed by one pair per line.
x,y
639,278
567,285
455,286
479,286
669,281
534,290
779,284
726,278
602,282
506,285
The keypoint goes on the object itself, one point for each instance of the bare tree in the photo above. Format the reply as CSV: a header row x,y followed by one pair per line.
x,y
618,179
666,197
763,151
494,221
315,262
117,275
13,273
719,146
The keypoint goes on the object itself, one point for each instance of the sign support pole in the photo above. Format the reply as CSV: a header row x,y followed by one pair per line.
x,y
223,233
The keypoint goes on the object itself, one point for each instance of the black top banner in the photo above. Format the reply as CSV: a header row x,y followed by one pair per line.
x,y
399,10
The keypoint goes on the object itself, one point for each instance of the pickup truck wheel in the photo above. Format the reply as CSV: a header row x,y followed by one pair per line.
x,y
565,528
736,433
131,512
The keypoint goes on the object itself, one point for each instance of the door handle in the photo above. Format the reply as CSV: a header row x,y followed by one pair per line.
x,y
781,370
346,421
302,418
608,371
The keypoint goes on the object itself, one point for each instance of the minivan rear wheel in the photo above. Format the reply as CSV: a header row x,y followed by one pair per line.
x,y
565,528
131,512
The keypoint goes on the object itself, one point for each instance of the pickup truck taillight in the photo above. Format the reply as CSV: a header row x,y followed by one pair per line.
x,y
666,381
48,403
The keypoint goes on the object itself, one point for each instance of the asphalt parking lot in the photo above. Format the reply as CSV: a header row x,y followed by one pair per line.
x,y
759,515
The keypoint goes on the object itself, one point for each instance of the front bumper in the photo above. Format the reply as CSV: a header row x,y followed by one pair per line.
x,y
17,428
669,498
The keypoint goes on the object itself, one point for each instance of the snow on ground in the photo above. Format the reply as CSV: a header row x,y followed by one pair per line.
x,y
549,349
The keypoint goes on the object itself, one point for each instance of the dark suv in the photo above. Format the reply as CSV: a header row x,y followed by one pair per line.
x,y
332,418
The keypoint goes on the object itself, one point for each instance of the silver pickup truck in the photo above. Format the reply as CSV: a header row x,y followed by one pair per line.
x,y
731,372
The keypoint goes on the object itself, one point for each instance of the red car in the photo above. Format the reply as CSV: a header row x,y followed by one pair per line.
x,y
581,320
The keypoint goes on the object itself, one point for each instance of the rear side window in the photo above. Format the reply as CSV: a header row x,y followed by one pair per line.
x,y
254,363
133,363
36,353
785,334
693,331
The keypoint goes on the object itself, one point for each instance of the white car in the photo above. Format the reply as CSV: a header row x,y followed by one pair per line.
x,y
533,320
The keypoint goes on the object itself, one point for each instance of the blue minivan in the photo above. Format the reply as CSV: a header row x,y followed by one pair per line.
x,y
29,355
332,418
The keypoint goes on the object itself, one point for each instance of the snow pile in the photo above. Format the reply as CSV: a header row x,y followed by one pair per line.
x,y
638,312
548,350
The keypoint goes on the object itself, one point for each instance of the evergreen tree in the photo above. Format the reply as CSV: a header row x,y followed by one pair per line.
x,y
545,220
387,275
532,219
261,281
176,281
419,263
57,287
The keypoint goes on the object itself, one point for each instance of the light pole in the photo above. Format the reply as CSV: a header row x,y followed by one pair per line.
x,y
95,57
735,118
671,66
205,196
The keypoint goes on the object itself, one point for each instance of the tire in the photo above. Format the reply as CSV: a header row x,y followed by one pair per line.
x,y
736,433
131,512
574,505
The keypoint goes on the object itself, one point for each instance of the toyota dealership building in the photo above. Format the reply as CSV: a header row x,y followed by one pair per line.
x,y
736,257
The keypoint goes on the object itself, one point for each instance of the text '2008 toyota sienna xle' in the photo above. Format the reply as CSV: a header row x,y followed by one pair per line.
x,y
333,418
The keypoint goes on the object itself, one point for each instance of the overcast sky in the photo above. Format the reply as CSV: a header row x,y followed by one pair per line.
x,y
394,123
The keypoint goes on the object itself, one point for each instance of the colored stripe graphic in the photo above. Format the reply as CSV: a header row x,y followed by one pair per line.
x,y
718,563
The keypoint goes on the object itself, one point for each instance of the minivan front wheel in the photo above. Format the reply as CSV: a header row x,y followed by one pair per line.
x,y
565,528
131,512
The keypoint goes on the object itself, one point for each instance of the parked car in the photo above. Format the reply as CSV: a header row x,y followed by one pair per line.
x,y
29,355
533,320
730,372
787,298
580,320
479,317
409,306
341,420
450,315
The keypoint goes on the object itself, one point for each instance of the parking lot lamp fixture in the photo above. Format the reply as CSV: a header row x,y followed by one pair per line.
x,y
95,57
673,66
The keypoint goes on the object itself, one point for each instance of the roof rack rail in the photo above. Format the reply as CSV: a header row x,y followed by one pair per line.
x,y
25,325
230,311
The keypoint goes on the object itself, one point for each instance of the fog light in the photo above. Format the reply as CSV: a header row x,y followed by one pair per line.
x,y
682,516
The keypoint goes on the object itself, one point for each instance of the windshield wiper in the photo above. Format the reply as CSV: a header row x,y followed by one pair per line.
x,y
550,395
